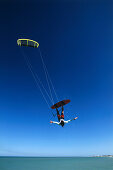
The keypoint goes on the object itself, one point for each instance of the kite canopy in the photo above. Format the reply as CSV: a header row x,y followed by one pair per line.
x,y
27,42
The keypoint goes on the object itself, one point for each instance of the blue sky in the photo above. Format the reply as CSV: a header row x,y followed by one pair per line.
x,y
76,42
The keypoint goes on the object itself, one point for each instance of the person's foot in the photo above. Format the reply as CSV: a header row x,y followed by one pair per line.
x,y
75,118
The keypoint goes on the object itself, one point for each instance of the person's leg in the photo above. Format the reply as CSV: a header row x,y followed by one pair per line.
x,y
62,113
58,115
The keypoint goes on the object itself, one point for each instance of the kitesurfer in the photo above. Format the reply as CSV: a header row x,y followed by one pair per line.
x,y
61,120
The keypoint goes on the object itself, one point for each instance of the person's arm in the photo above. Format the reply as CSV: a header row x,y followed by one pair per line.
x,y
70,120
55,122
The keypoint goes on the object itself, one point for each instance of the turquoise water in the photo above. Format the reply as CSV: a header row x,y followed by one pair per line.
x,y
75,163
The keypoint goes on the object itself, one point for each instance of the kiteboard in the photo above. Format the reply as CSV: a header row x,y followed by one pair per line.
x,y
61,103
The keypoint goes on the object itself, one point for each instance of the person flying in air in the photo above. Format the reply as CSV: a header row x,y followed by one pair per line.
x,y
61,120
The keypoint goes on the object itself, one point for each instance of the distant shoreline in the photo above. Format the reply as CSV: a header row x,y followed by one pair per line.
x,y
103,156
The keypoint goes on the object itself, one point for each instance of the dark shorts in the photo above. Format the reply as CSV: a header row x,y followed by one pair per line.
x,y
60,117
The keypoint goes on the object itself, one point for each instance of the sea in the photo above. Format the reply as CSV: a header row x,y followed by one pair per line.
x,y
56,163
